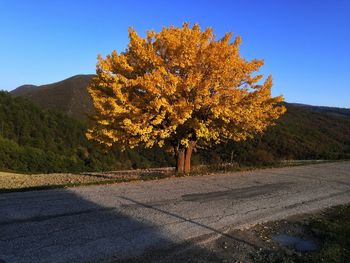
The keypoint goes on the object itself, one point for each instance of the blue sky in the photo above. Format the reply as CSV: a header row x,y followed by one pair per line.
x,y
305,44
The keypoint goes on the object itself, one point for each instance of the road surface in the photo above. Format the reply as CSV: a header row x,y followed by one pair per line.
x,y
112,222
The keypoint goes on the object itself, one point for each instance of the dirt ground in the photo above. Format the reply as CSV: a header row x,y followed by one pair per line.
x,y
18,181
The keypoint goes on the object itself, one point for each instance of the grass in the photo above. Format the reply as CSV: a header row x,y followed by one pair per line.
x,y
333,229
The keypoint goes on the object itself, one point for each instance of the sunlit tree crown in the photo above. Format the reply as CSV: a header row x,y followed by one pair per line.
x,y
177,86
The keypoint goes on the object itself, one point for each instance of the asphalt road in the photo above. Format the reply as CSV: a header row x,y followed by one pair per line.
x,y
112,222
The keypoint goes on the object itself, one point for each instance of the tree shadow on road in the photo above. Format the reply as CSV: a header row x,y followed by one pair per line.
x,y
61,226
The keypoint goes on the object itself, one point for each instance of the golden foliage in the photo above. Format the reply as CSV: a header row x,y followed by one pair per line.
x,y
179,85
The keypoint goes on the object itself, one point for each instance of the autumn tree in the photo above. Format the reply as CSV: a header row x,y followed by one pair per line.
x,y
180,87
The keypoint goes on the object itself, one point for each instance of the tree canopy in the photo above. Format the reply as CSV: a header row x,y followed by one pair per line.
x,y
180,87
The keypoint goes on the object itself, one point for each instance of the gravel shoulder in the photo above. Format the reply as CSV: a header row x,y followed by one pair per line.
x,y
21,181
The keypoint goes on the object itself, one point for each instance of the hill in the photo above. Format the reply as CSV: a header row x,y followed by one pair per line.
x,y
22,90
69,96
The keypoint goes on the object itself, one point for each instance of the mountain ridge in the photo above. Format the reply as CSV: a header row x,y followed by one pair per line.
x,y
339,111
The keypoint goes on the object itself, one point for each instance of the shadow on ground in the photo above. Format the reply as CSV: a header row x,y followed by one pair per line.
x,y
60,226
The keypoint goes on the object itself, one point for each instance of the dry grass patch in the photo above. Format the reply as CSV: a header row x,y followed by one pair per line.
x,y
15,181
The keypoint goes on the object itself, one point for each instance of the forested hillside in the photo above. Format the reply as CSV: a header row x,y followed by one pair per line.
x,y
37,140
301,133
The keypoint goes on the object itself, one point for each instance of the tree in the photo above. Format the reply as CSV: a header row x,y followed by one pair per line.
x,y
180,87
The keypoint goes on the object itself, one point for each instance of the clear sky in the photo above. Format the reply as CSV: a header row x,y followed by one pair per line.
x,y
305,43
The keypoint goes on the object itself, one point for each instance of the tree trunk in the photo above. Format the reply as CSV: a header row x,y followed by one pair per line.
x,y
180,160
188,154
